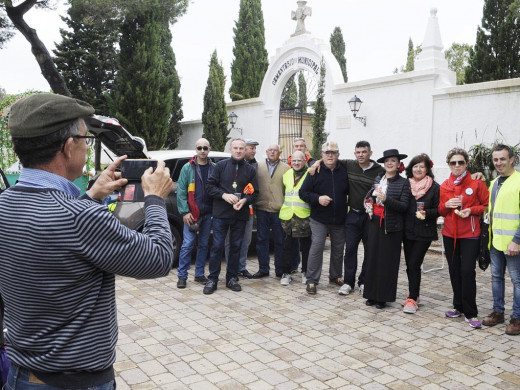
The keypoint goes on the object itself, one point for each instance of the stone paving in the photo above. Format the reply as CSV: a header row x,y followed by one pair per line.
x,y
273,337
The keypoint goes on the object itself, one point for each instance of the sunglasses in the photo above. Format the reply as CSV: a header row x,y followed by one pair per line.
x,y
202,147
453,163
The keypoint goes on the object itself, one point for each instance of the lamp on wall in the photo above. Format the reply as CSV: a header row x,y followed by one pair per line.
x,y
233,120
355,105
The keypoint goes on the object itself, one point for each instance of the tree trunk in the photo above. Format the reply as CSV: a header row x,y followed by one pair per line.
x,y
40,52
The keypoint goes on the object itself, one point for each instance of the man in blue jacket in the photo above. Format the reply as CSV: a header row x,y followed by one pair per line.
x,y
326,192
195,206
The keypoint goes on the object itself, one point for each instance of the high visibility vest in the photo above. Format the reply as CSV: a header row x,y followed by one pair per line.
x,y
292,204
506,212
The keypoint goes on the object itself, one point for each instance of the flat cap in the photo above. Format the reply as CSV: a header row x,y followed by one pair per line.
x,y
251,142
44,113
330,146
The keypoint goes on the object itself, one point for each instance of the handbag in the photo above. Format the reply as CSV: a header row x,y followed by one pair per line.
x,y
483,256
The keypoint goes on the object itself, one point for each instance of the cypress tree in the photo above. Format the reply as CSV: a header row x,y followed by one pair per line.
x,y
319,136
496,55
337,46
302,92
214,116
143,94
410,58
250,63
289,94
85,57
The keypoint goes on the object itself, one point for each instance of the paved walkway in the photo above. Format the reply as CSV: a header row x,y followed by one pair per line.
x,y
274,337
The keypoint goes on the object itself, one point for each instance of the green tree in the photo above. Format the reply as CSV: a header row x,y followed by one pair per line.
x,y
250,63
302,92
143,93
85,57
319,135
6,28
411,57
337,46
289,94
214,116
458,59
496,54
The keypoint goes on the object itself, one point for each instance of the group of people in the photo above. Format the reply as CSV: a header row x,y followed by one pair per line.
x,y
353,200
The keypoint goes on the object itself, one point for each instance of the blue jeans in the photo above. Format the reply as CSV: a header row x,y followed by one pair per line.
x,y
188,243
356,230
266,221
21,379
221,226
499,260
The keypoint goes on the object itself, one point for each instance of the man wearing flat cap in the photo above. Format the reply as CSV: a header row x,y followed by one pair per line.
x,y
60,252
326,192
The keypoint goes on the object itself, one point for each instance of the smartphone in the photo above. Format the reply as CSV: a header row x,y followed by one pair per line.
x,y
133,169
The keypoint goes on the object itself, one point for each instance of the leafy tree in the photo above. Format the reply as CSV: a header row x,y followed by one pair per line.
x,y
214,116
496,54
458,59
410,58
319,136
143,93
250,63
337,46
85,57
289,94
6,28
302,92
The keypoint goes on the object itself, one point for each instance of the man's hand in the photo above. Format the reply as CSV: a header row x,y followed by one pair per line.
x,y
188,219
512,249
230,198
324,200
237,206
315,168
157,183
478,176
108,181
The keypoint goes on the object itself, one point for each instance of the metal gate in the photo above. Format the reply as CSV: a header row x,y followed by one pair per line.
x,y
291,125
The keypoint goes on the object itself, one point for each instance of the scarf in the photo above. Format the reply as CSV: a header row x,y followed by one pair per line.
x,y
419,188
459,179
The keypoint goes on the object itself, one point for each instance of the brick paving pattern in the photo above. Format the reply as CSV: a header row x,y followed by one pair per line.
x,y
273,337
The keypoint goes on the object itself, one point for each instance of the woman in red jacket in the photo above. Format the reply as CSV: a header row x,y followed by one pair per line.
x,y
462,200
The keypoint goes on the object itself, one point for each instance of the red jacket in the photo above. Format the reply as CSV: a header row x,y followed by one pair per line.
x,y
475,196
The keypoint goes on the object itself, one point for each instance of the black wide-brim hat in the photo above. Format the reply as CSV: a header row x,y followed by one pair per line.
x,y
391,153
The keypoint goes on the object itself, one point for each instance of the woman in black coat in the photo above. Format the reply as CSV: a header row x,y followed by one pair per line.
x,y
420,224
389,197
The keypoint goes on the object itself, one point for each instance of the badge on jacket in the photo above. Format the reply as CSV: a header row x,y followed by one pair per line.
x,y
469,191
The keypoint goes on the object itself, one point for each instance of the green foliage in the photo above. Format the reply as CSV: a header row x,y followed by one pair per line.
x,y
289,97
496,54
319,135
481,159
411,57
7,155
143,93
86,57
458,59
337,46
302,92
214,116
250,63
6,28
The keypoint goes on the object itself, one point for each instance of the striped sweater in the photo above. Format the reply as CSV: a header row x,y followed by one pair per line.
x,y
58,260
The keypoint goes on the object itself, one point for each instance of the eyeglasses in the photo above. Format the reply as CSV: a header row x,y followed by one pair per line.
x,y
89,139
203,148
297,161
330,152
460,162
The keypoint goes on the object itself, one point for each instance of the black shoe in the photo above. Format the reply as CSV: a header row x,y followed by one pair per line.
x,y
370,302
233,285
246,274
181,283
260,274
201,279
380,305
210,287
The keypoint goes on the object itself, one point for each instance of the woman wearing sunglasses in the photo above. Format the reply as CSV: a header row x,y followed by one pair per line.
x,y
462,200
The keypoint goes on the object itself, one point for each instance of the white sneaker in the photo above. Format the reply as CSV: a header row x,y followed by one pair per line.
x,y
345,289
304,279
286,280
361,289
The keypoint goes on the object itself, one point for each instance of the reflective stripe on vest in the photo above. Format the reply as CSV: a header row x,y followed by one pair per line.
x,y
292,204
506,211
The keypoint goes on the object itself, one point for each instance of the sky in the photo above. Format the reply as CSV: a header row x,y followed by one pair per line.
x,y
376,34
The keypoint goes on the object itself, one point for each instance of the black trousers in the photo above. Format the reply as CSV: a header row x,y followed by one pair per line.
x,y
289,243
462,261
414,252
